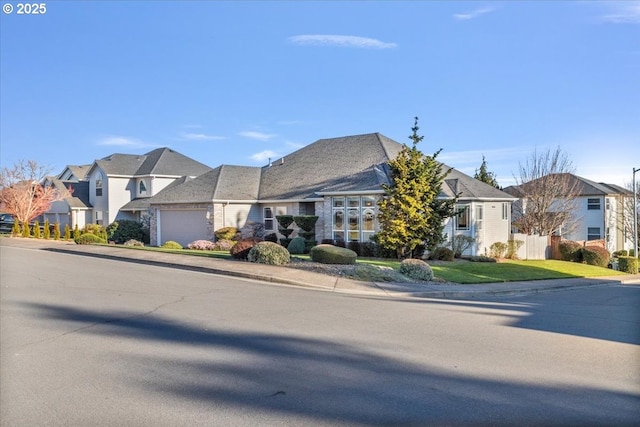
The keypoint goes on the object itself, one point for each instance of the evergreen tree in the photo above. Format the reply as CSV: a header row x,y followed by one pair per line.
x,y
36,230
410,213
67,232
46,232
56,231
15,229
26,231
485,176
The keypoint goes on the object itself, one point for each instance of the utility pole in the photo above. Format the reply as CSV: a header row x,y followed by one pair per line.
x,y
635,214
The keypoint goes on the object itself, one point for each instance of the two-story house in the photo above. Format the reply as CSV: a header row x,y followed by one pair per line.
x,y
118,186
598,213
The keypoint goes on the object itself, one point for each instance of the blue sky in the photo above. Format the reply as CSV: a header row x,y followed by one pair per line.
x,y
238,82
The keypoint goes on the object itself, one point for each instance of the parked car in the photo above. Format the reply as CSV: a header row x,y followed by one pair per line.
x,y
6,222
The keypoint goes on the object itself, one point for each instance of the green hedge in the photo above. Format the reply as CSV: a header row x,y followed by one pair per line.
x,y
328,254
628,264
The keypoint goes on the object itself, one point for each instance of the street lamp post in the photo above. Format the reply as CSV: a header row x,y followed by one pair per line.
x,y
635,214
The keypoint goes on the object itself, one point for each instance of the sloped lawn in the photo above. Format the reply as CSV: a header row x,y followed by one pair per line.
x,y
516,270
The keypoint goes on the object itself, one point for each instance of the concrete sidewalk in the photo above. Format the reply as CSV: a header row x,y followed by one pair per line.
x,y
297,277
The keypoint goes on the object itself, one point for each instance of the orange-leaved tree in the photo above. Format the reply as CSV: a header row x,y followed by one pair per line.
x,y
23,192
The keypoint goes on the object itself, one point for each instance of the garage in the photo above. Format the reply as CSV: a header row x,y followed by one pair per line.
x,y
182,226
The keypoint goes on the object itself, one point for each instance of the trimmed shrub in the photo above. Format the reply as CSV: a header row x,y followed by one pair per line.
x,y
308,245
67,232
416,269
241,249
461,243
570,251
252,230
497,249
271,237
628,264
329,254
284,241
482,258
623,252
226,233
354,245
269,253
442,254
89,239
125,229
595,255
170,244
306,222
224,245
284,221
327,242
512,248
202,245
296,246
133,242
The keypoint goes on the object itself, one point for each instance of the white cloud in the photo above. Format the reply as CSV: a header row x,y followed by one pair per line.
x,y
340,41
473,14
121,141
260,136
200,137
264,156
623,12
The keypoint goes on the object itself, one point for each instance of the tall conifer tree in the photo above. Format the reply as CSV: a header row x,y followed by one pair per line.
x,y
410,214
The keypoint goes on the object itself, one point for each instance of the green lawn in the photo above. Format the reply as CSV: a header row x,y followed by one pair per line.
x,y
507,271
466,272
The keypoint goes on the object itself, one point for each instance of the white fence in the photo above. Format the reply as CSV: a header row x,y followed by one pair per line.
x,y
534,247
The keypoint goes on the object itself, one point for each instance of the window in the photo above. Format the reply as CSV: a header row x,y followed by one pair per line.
x,y
593,233
142,189
479,214
462,218
267,214
98,187
307,208
505,211
99,217
593,204
353,218
607,205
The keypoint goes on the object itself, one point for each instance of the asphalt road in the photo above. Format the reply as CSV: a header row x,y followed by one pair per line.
x,y
87,341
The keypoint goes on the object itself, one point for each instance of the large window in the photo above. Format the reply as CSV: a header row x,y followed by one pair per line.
x,y
593,233
462,217
593,204
353,218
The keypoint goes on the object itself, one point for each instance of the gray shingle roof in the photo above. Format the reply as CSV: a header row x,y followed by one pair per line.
x,y
225,182
584,186
347,164
328,164
161,161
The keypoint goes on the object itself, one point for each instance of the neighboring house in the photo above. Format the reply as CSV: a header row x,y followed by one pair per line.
x,y
599,213
337,179
118,186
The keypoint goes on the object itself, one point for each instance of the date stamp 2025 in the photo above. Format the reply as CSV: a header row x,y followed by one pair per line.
x,y
25,8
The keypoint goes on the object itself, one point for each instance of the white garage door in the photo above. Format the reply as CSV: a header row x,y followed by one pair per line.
x,y
183,226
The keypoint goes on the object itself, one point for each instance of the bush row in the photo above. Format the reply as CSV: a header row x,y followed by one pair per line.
x,y
592,255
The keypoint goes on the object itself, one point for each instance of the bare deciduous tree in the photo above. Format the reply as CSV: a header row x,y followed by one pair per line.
x,y
22,192
625,222
548,193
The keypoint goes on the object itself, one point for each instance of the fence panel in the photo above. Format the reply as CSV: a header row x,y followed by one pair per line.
x,y
534,247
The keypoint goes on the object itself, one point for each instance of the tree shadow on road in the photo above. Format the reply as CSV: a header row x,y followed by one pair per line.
x,y
319,380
